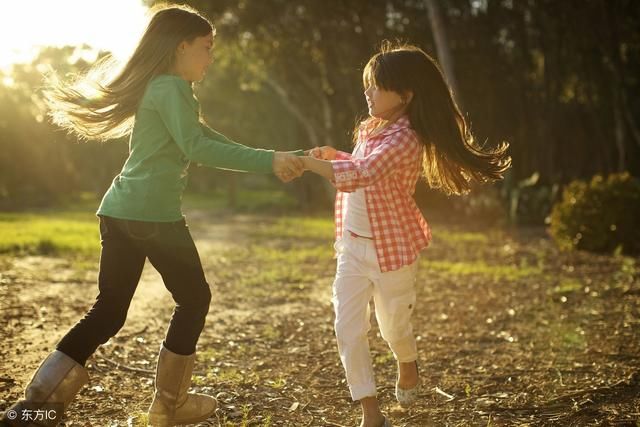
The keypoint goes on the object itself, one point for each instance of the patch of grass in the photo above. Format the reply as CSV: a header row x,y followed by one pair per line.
x,y
246,420
383,358
203,380
230,376
278,383
138,419
209,354
296,227
49,233
246,409
567,337
480,268
275,273
628,271
294,255
453,237
73,228
568,286
270,333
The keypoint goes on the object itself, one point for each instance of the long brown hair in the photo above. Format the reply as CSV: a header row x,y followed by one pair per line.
x,y
451,159
95,105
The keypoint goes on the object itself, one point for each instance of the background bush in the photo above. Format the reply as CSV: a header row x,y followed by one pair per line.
x,y
599,216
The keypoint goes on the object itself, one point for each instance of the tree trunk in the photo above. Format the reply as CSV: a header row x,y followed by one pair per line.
x,y
442,46
631,121
313,139
619,132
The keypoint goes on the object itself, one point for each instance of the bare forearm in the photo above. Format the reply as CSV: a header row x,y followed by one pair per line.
x,y
323,168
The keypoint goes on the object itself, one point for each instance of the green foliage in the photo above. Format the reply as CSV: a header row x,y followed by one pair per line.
x,y
287,75
40,165
599,216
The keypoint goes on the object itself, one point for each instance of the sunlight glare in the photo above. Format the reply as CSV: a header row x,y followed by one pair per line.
x,y
27,25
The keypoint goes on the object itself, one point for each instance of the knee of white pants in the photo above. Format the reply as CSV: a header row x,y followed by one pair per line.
x,y
393,311
396,324
396,333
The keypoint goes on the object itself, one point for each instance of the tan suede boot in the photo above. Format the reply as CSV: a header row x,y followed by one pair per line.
x,y
50,391
172,405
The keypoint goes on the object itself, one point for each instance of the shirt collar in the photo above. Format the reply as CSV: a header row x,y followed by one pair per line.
x,y
401,123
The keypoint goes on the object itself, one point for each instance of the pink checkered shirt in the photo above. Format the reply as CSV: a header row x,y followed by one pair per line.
x,y
388,173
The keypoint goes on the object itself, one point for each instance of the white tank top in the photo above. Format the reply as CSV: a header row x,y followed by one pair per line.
x,y
356,217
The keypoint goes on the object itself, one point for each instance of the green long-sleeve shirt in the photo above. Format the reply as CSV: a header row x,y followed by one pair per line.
x,y
166,137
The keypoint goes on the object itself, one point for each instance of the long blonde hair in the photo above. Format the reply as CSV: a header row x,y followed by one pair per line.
x,y
97,106
451,159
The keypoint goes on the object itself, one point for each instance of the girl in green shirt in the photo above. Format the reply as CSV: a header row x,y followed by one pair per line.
x,y
140,216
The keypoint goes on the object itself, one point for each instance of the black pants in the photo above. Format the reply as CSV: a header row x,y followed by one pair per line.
x,y
125,247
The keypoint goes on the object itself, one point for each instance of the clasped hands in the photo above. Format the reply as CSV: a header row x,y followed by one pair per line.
x,y
287,166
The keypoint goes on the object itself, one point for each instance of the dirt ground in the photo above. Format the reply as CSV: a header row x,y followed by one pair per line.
x,y
511,333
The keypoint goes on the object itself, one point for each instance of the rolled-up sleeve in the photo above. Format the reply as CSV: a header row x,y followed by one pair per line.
x,y
398,149
341,155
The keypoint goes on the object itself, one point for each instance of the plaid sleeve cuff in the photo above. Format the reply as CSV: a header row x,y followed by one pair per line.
x,y
341,155
346,175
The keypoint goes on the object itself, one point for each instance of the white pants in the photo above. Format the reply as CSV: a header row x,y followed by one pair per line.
x,y
358,278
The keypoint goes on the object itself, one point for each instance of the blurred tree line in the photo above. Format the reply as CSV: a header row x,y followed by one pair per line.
x,y
558,80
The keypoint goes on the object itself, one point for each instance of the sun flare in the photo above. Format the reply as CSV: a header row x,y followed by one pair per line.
x,y
28,25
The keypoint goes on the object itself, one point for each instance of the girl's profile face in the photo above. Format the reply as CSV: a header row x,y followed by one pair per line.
x,y
193,59
383,104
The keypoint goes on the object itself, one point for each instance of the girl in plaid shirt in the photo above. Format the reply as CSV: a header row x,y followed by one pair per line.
x,y
414,129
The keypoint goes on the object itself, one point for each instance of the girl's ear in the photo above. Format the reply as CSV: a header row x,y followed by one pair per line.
x,y
181,47
407,97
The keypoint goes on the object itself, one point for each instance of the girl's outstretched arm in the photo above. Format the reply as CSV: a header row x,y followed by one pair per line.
x,y
173,102
213,134
349,174
323,168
